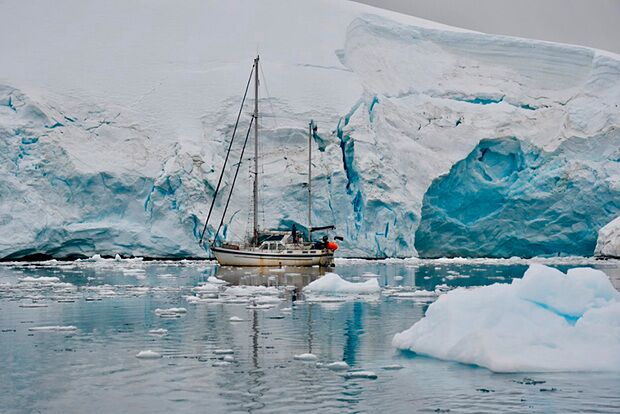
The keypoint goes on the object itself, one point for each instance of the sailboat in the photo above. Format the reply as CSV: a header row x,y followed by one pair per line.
x,y
271,247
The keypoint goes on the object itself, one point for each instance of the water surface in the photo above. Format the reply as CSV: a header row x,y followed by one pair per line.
x,y
112,306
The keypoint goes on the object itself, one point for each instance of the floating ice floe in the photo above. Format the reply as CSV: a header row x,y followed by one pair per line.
x,y
332,283
305,357
33,305
170,313
214,280
43,279
68,328
229,358
235,319
148,354
158,332
393,367
338,366
547,321
361,374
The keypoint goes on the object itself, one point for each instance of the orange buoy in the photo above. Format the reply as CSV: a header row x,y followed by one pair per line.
x,y
332,245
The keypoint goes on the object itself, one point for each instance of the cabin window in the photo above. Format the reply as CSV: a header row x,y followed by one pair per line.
x,y
264,246
305,252
289,251
313,251
280,246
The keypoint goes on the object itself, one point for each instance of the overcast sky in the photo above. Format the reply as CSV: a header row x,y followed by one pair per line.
x,y
594,23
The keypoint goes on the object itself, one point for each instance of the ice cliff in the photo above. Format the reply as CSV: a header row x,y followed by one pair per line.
x,y
432,139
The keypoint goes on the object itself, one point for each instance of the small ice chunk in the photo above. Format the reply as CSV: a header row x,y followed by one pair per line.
x,y
229,358
33,305
332,283
235,319
216,281
392,367
286,309
398,278
45,279
306,357
221,363
338,366
160,331
148,354
361,374
170,312
68,328
223,351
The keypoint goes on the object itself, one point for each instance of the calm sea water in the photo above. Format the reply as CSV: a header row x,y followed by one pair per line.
x,y
112,306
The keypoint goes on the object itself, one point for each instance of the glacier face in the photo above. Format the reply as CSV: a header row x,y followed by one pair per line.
x,y
114,144
511,198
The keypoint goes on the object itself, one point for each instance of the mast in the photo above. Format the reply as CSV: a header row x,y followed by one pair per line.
x,y
310,180
255,198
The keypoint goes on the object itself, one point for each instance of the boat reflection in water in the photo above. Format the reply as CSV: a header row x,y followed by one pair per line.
x,y
294,278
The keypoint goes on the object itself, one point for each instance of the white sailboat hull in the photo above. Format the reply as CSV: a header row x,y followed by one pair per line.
x,y
257,258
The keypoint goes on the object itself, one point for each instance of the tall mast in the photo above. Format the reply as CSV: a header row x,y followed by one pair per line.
x,y
310,180
255,198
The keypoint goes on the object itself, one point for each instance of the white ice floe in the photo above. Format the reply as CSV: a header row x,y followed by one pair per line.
x,y
332,283
306,357
221,363
68,328
338,366
214,280
229,358
547,321
398,278
148,354
158,332
235,319
393,367
43,279
170,312
33,305
244,291
361,374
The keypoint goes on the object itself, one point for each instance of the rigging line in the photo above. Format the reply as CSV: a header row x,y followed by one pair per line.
x,y
273,112
219,181
247,135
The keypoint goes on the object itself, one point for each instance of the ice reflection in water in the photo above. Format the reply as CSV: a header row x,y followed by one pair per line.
x,y
112,305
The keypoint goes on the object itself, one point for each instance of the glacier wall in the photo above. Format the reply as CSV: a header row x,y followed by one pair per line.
x,y
511,198
114,143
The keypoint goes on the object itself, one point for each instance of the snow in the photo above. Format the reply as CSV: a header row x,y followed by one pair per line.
x,y
332,283
148,354
111,140
547,321
608,243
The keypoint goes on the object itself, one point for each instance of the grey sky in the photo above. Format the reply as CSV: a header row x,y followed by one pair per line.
x,y
594,23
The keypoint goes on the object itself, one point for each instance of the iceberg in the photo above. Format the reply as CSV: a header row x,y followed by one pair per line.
x,y
547,321
125,161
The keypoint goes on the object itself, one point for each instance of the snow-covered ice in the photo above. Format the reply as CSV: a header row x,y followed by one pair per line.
x,y
547,321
